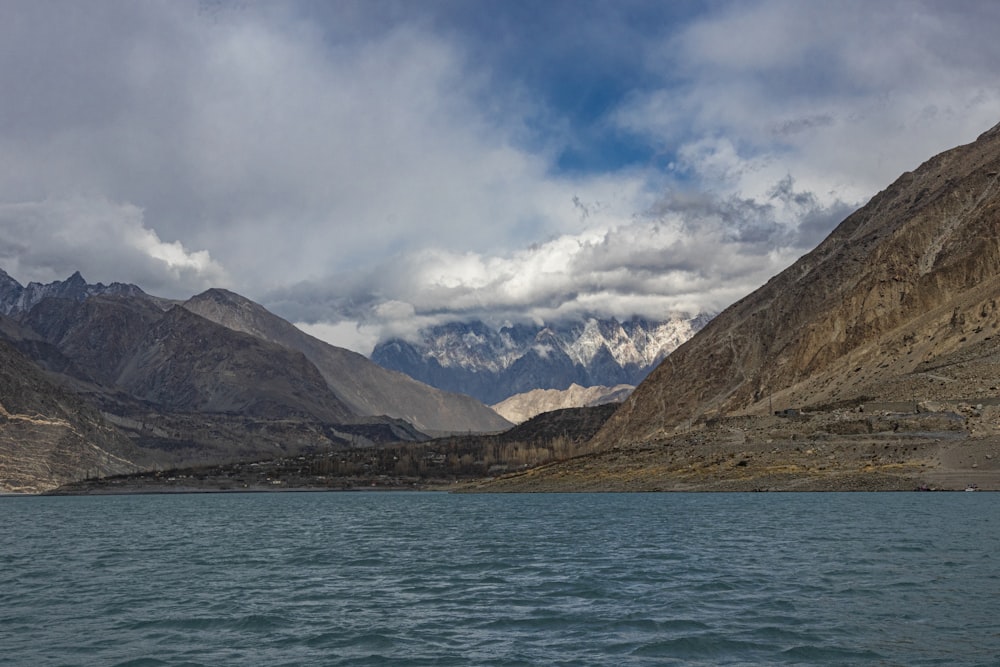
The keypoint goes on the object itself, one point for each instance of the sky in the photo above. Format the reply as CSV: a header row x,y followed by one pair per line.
x,y
366,168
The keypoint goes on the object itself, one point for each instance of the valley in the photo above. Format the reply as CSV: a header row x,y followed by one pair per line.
x,y
871,363
443,463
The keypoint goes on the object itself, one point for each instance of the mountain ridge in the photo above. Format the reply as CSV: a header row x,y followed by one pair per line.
x,y
365,387
15,298
129,381
495,364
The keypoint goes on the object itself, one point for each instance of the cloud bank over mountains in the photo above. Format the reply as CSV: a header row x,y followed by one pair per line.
x,y
366,168
691,254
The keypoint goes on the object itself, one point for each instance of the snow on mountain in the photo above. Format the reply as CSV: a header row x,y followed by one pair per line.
x,y
491,365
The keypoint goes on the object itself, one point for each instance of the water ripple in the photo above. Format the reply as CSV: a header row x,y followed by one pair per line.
x,y
432,579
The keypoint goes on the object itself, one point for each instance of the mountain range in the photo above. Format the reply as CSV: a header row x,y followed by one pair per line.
x,y
494,364
366,388
115,380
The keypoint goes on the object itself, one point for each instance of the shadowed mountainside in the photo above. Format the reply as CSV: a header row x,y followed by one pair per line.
x,y
49,436
155,388
182,362
365,386
157,384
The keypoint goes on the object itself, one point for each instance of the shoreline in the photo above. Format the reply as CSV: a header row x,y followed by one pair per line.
x,y
735,455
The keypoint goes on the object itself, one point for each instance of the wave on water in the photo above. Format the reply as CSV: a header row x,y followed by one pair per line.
x,y
435,579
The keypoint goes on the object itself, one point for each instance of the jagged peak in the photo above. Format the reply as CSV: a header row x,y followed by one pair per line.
x,y
8,280
4,274
18,298
591,350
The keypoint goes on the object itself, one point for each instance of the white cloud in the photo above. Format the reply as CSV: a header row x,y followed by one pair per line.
x,y
689,253
843,96
350,335
286,154
102,239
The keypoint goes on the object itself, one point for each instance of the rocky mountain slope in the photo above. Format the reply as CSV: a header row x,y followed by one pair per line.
x,y
880,350
48,435
368,389
902,285
124,380
522,407
493,365
184,390
182,362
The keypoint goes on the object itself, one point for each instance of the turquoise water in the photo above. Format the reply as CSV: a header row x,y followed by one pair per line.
x,y
435,579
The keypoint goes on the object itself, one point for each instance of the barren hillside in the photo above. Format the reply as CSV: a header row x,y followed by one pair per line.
x,y
908,283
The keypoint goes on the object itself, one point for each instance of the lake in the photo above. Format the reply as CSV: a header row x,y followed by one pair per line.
x,y
438,579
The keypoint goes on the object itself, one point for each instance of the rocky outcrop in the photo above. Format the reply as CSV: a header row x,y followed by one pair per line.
x,y
522,407
898,303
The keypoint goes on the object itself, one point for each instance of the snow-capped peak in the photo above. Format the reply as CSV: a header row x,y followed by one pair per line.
x,y
484,362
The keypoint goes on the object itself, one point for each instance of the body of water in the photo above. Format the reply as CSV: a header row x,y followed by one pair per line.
x,y
436,579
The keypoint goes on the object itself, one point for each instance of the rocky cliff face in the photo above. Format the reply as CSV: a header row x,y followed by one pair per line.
x,y
900,302
365,387
493,365
181,362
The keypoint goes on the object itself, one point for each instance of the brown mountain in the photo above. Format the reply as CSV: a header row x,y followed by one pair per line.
x,y
879,352
367,388
907,284
151,383
190,364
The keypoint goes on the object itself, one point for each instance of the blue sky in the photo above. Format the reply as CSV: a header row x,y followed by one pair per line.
x,y
366,168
